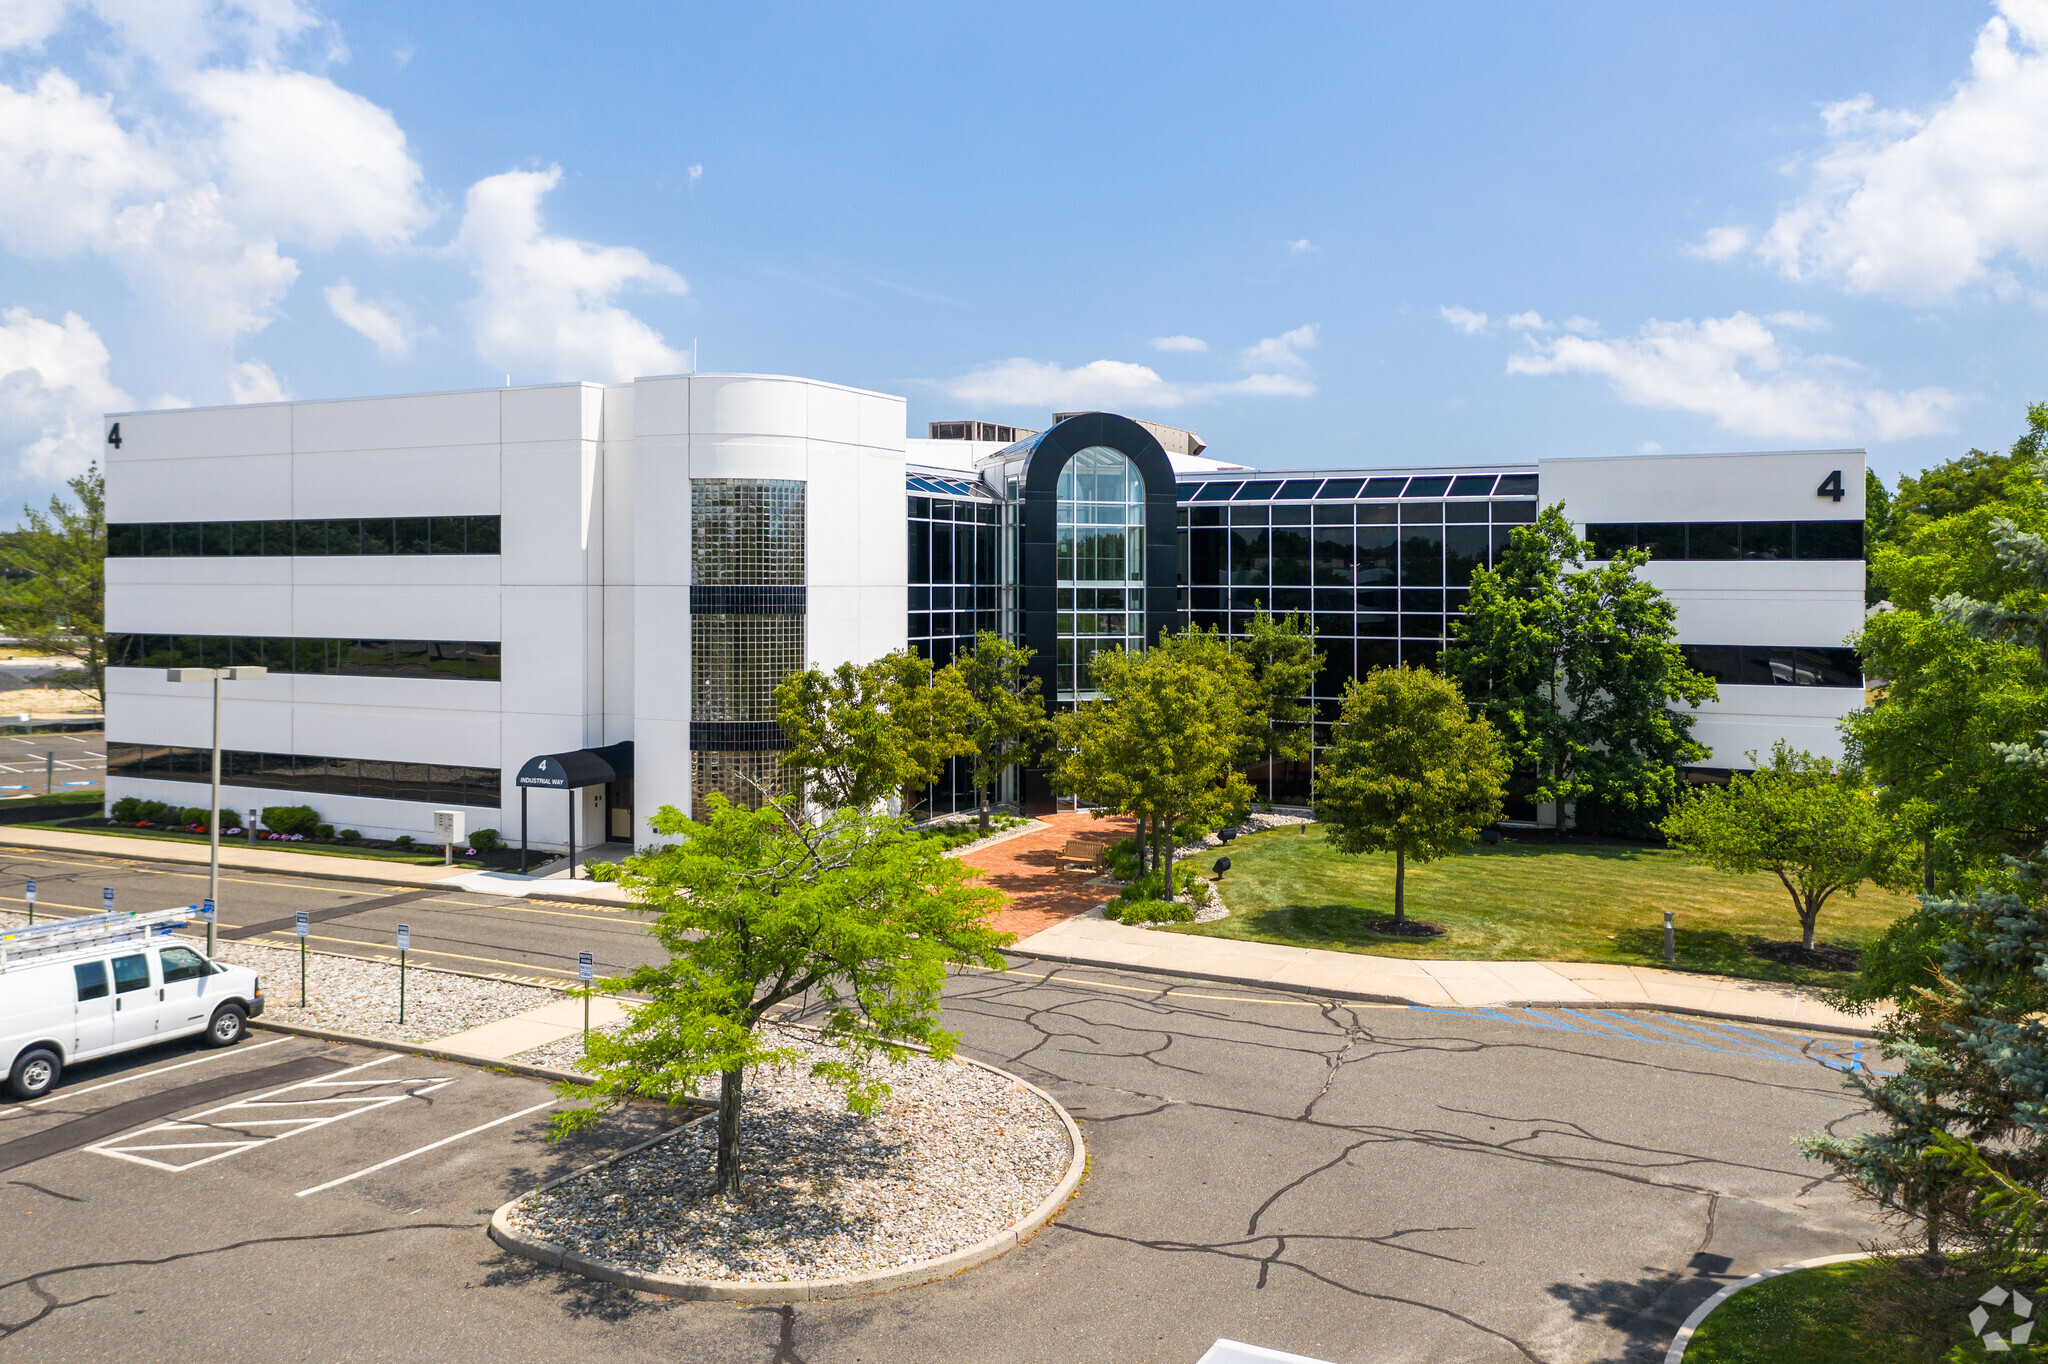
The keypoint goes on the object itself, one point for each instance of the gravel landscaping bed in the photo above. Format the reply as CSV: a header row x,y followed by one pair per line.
x,y
956,1155
349,994
566,1054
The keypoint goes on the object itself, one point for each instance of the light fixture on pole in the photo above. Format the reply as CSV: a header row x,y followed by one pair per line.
x,y
215,676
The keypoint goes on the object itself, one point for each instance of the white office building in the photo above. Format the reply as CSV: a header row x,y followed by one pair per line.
x,y
598,586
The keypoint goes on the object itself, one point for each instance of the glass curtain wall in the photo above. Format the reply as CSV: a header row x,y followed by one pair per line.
x,y
1382,566
1100,564
954,531
747,616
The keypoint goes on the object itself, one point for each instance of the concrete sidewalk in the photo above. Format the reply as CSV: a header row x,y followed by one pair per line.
x,y
506,1038
1091,940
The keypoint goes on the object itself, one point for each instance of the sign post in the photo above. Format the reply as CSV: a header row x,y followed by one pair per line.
x,y
107,899
302,925
1670,955
31,902
206,912
584,969
404,941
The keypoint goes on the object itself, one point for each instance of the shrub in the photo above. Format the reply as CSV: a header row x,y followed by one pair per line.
x,y
291,819
1150,912
484,840
195,814
128,810
325,831
351,835
403,840
1122,857
1148,886
154,812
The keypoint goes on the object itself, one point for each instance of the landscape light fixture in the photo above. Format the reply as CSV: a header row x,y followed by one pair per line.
x,y
215,676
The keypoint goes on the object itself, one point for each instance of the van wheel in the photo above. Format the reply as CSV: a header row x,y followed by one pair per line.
x,y
35,1073
227,1027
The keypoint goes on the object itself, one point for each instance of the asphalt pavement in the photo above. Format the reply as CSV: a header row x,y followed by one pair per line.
x,y
1350,1183
531,939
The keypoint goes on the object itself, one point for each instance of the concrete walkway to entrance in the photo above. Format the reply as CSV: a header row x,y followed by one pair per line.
x,y
1092,940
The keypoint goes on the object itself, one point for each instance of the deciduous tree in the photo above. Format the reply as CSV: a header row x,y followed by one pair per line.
x,y
1579,670
864,732
1163,738
1409,770
1812,824
1281,661
759,907
1007,723
56,601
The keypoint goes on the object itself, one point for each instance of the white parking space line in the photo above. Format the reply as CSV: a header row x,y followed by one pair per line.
x,y
432,1145
238,1125
145,1074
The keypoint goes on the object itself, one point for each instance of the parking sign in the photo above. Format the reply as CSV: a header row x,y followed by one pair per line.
x,y
404,937
584,966
31,892
206,912
107,899
302,924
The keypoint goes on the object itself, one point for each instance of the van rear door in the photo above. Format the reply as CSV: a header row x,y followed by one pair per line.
x,y
94,1022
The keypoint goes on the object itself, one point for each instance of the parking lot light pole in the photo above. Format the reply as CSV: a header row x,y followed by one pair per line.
x,y
215,676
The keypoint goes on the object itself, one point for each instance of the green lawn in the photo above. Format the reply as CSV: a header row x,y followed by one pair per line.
x,y
1530,902
1860,1312
1803,1318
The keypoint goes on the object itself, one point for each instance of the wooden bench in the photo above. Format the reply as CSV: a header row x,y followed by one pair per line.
x,y
1086,849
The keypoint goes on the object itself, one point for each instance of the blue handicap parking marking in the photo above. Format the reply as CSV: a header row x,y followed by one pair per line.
x,y
1715,1035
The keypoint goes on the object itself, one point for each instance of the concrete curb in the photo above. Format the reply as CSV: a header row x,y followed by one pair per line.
x,y
800,1290
1029,826
1676,1354
426,1049
1366,997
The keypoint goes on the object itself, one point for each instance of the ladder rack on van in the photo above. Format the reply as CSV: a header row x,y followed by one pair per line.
x,y
56,936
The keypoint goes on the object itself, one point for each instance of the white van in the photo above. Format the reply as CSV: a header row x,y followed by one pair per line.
x,y
74,1003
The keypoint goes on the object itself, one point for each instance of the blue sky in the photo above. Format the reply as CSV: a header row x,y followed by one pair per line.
x,y
1322,235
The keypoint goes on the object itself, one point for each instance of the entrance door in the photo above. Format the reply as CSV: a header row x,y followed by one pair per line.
x,y
618,800
135,1001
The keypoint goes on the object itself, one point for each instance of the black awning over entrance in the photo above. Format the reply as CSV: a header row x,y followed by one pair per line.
x,y
582,767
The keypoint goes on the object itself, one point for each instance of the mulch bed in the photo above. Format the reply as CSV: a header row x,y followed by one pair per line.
x,y
1822,956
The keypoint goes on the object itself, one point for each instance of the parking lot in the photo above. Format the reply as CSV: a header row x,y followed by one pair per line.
x,y
1347,1182
30,764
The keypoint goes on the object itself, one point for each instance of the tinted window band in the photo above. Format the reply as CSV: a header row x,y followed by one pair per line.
x,y
325,537
370,778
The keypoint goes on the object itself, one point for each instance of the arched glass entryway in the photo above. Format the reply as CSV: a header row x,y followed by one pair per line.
x,y
1100,563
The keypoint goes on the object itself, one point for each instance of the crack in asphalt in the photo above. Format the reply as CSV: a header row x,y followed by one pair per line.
x,y
33,1282
1277,1257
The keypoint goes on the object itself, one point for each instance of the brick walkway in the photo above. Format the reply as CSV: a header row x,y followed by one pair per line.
x,y
1026,870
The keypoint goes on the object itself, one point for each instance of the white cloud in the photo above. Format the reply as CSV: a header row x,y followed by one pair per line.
x,y
545,304
1112,385
1300,244
1917,205
1531,321
1649,447
386,324
315,163
1282,351
25,23
1734,371
1721,243
1580,326
190,176
53,388
1798,321
1179,343
696,173
1464,319
252,382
